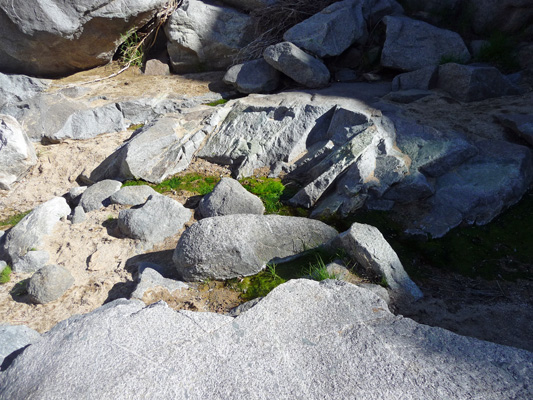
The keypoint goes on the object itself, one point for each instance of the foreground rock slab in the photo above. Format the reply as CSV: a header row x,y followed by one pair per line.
x,y
13,338
239,245
338,336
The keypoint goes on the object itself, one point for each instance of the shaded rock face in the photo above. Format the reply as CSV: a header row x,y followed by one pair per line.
x,y
29,233
67,36
204,35
228,198
17,154
13,339
255,76
412,44
49,284
339,336
15,88
240,245
160,149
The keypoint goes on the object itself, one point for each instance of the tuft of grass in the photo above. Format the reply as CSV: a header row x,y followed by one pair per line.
x,y
384,282
216,102
134,127
194,183
131,50
5,275
13,220
500,51
318,270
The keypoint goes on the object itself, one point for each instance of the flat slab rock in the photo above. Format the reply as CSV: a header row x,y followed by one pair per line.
x,y
337,336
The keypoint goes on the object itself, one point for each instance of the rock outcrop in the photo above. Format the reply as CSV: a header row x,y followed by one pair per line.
x,y
339,336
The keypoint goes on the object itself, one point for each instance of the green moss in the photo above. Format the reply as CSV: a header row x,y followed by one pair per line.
x,y
216,102
194,183
261,284
134,127
269,190
5,275
13,220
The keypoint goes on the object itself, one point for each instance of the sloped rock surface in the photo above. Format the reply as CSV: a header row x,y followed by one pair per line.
x,y
66,35
29,233
229,197
160,217
15,88
132,195
17,154
238,245
474,83
297,64
206,35
339,336
160,149
49,283
412,45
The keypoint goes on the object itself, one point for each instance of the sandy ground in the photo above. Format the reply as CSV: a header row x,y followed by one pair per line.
x,y
103,262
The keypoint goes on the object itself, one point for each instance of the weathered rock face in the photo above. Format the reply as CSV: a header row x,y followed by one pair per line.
x,y
160,217
29,233
49,284
205,35
132,195
52,38
474,83
17,154
297,64
255,76
240,245
228,198
332,30
411,45
15,88
339,336
161,149
366,245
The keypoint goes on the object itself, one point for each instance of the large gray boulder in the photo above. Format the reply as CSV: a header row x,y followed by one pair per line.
x,y
474,83
29,233
204,35
239,245
97,196
160,217
332,30
13,340
297,64
229,197
160,149
56,37
132,195
412,45
255,76
49,284
368,248
338,336
17,154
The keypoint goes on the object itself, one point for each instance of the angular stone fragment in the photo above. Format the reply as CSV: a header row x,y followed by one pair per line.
x,y
297,64
229,197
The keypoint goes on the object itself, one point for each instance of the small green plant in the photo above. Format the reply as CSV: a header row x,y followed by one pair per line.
x,y
318,270
13,220
110,218
131,49
194,183
217,102
383,282
5,275
134,127
500,51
